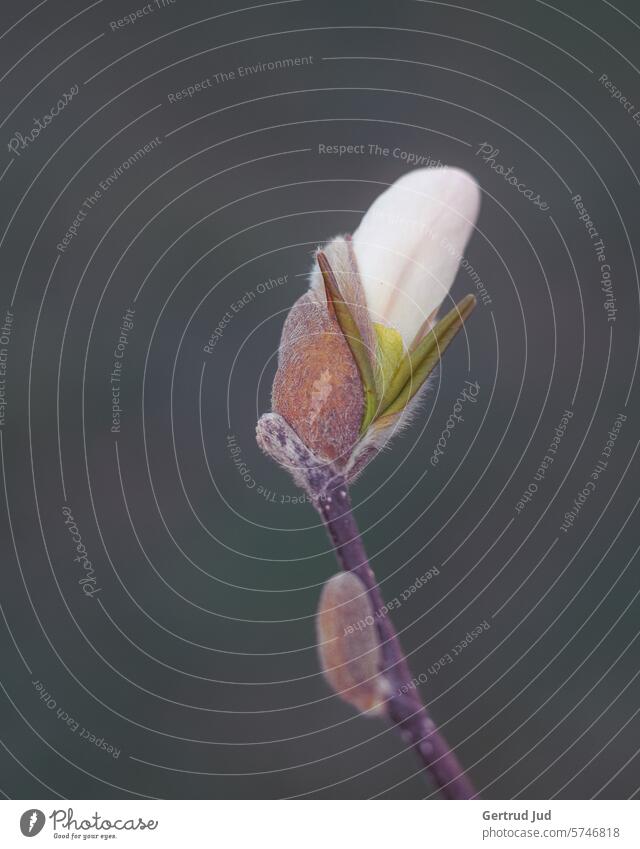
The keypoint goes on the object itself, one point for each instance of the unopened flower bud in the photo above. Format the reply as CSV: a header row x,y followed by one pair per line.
x,y
358,347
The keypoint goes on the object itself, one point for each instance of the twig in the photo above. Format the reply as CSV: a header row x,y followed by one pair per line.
x,y
405,707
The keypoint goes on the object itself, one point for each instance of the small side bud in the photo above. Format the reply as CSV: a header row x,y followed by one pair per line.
x,y
348,645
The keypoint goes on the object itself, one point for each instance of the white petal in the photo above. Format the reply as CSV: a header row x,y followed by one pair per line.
x,y
410,243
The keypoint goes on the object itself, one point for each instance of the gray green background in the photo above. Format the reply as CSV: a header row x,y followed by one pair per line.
x,y
197,658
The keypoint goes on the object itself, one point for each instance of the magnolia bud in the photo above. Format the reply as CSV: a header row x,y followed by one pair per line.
x,y
348,644
358,347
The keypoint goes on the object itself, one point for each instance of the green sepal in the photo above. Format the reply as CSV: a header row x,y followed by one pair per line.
x,y
352,334
417,365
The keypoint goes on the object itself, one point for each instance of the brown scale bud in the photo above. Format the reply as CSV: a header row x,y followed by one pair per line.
x,y
348,644
317,388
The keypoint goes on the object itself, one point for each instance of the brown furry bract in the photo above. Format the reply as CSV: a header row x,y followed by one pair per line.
x,y
317,388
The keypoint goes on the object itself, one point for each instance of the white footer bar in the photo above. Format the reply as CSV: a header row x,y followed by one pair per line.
x,y
321,824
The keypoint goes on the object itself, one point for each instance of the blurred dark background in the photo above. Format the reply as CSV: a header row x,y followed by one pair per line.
x,y
195,658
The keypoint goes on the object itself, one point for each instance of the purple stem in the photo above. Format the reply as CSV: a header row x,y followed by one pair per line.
x,y
405,707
